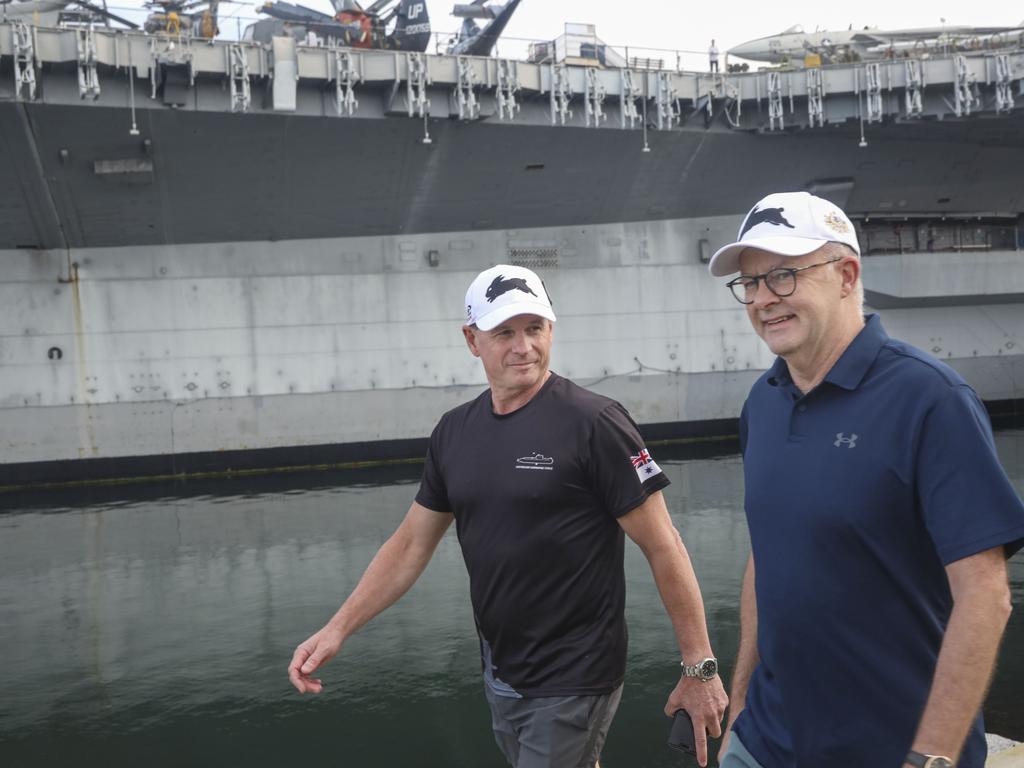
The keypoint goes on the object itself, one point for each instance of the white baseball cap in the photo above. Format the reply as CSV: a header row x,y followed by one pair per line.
x,y
789,224
504,291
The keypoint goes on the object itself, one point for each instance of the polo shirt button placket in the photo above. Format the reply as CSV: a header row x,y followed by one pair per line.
x,y
795,428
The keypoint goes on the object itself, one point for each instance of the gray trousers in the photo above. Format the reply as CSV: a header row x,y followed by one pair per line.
x,y
552,732
737,756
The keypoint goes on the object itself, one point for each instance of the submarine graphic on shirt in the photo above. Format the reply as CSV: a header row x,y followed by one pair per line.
x,y
536,461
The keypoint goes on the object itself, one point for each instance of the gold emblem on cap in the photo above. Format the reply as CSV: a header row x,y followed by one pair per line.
x,y
836,224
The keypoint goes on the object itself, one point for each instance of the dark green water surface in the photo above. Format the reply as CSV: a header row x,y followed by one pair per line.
x,y
155,630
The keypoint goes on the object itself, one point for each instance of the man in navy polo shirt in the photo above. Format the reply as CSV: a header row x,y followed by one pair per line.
x,y
880,521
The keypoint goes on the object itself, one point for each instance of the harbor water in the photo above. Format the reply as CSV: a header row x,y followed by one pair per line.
x,y
152,625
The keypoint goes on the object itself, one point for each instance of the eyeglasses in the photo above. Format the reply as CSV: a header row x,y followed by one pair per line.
x,y
781,281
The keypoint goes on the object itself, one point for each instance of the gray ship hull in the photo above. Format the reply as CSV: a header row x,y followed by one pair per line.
x,y
82,181
229,290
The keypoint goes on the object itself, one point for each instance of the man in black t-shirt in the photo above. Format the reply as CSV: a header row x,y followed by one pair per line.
x,y
543,479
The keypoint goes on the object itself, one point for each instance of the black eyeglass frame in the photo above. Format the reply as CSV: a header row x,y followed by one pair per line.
x,y
744,280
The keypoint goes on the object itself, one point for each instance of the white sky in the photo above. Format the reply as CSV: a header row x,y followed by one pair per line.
x,y
673,24
690,26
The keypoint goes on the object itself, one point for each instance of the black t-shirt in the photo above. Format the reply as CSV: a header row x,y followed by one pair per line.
x,y
536,494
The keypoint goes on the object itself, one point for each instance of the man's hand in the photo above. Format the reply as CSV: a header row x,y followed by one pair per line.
x,y
310,656
705,703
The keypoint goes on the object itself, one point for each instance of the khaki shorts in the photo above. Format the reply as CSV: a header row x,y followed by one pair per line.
x,y
552,732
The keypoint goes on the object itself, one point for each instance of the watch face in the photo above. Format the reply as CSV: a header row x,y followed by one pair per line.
x,y
709,668
939,762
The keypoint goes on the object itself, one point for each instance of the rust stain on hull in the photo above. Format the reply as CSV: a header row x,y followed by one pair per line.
x,y
87,447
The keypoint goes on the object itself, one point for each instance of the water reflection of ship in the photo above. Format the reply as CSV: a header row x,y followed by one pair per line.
x,y
269,272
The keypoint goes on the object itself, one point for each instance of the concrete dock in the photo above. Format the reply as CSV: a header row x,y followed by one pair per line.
x,y
1004,753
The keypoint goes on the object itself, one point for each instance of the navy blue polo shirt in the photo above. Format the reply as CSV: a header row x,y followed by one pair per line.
x,y
858,494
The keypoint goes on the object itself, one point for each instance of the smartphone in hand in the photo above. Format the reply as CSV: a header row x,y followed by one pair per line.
x,y
681,735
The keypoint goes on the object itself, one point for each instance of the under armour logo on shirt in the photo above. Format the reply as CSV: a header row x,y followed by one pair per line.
x,y
842,439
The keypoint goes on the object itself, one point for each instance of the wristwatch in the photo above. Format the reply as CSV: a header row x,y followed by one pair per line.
x,y
704,670
920,760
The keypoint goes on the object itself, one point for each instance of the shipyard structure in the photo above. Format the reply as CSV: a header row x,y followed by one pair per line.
x,y
229,255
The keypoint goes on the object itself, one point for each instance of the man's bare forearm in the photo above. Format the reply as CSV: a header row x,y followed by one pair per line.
x,y
981,609
393,570
680,593
651,528
747,657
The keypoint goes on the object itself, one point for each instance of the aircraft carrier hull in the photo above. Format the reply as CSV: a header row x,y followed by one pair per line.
x,y
81,180
226,290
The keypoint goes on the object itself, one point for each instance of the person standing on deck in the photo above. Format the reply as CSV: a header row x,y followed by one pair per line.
x,y
876,593
543,479
713,57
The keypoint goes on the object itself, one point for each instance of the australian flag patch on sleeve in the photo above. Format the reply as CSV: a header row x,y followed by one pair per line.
x,y
644,465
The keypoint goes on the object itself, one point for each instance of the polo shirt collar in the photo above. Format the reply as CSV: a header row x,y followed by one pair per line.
x,y
853,365
778,374
850,369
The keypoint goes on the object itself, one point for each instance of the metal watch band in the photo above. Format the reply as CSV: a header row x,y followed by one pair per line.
x,y
695,670
921,760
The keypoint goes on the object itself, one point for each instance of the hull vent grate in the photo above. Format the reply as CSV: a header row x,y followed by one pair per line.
x,y
534,258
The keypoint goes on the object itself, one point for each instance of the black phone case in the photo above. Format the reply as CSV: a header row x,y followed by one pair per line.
x,y
681,735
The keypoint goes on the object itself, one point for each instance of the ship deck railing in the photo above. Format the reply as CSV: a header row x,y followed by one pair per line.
x,y
962,85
